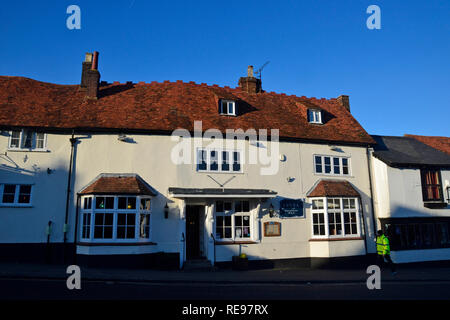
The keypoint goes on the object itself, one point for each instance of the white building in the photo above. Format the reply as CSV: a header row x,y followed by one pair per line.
x,y
411,183
98,161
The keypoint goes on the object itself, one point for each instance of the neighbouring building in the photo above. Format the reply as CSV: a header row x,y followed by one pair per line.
x,y
88,171
411,187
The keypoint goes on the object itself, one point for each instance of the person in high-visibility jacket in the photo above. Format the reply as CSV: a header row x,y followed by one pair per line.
x,y
384,251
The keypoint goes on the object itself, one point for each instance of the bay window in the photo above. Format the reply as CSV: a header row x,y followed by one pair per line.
x,y
115,218
335,217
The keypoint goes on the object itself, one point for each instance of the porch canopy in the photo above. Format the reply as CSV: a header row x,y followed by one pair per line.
x,y
220,193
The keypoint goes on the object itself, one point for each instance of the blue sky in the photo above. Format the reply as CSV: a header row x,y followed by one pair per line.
x,y
398,77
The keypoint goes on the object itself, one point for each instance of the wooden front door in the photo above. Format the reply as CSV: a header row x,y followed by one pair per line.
x,y
192,232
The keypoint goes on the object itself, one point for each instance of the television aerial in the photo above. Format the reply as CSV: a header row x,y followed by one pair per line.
x,y
258,72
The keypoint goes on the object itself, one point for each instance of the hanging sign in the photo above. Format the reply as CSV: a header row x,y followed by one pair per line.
x,y
291,208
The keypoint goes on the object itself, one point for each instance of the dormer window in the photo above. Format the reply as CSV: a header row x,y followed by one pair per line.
x,y
227,107
315,116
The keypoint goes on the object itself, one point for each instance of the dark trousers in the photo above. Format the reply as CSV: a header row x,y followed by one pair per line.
x,y
381,258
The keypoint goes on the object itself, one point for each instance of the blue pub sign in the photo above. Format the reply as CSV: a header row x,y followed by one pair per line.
x,y
291,208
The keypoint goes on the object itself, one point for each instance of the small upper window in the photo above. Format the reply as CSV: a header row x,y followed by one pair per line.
x,y
15,194
227,107
314,116
27,140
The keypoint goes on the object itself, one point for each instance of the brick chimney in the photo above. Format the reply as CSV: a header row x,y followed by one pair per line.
x,y
345,101
90,76
250,84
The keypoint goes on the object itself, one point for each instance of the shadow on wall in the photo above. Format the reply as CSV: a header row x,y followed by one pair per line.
x,y
24,230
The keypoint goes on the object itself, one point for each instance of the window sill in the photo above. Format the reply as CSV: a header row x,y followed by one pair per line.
x,y
224,243
336,239
29,150
435,204
99,244
15,206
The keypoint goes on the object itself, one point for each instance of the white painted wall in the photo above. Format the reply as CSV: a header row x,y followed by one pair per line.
x,y
398,194
149,157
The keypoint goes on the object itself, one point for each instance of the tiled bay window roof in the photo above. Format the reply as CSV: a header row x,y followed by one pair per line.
x,y
113,184
333,188
163,107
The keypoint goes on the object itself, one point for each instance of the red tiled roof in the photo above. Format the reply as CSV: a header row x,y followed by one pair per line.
x,y
333,188
440,143
118,184
163,107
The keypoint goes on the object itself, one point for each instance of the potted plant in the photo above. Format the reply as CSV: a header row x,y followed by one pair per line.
x,y
240,262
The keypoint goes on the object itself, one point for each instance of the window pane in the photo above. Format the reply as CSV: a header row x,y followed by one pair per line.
x,y
9,191
24,194
230,107
336,167
327,161
318,160
27,139
238,206
225,161
318,204
131,203
40,139
228,206
228,232
122,203
100,203
246,206
236,161
15,139
109,203
227,221
238,220
201,160
144,227
145,204
214,161
219,206
345,166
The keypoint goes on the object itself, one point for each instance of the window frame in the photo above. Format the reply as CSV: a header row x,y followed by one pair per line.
x,y
220,151
341,211
224,107
233,214
315,116
16,203
33,141
91,210
332,165
438,185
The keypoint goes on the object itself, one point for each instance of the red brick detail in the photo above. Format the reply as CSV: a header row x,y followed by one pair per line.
x,y
439,143
333,188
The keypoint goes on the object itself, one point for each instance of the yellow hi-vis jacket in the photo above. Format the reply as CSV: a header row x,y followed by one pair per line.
x,y
383,245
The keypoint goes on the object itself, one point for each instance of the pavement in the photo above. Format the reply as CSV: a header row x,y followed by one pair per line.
x,y
406,273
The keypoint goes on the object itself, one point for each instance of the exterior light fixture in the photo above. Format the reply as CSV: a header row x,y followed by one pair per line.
x,y
166,211
271,211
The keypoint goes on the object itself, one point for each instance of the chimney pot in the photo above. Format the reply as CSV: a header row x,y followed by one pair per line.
x,y
250,71
95,61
